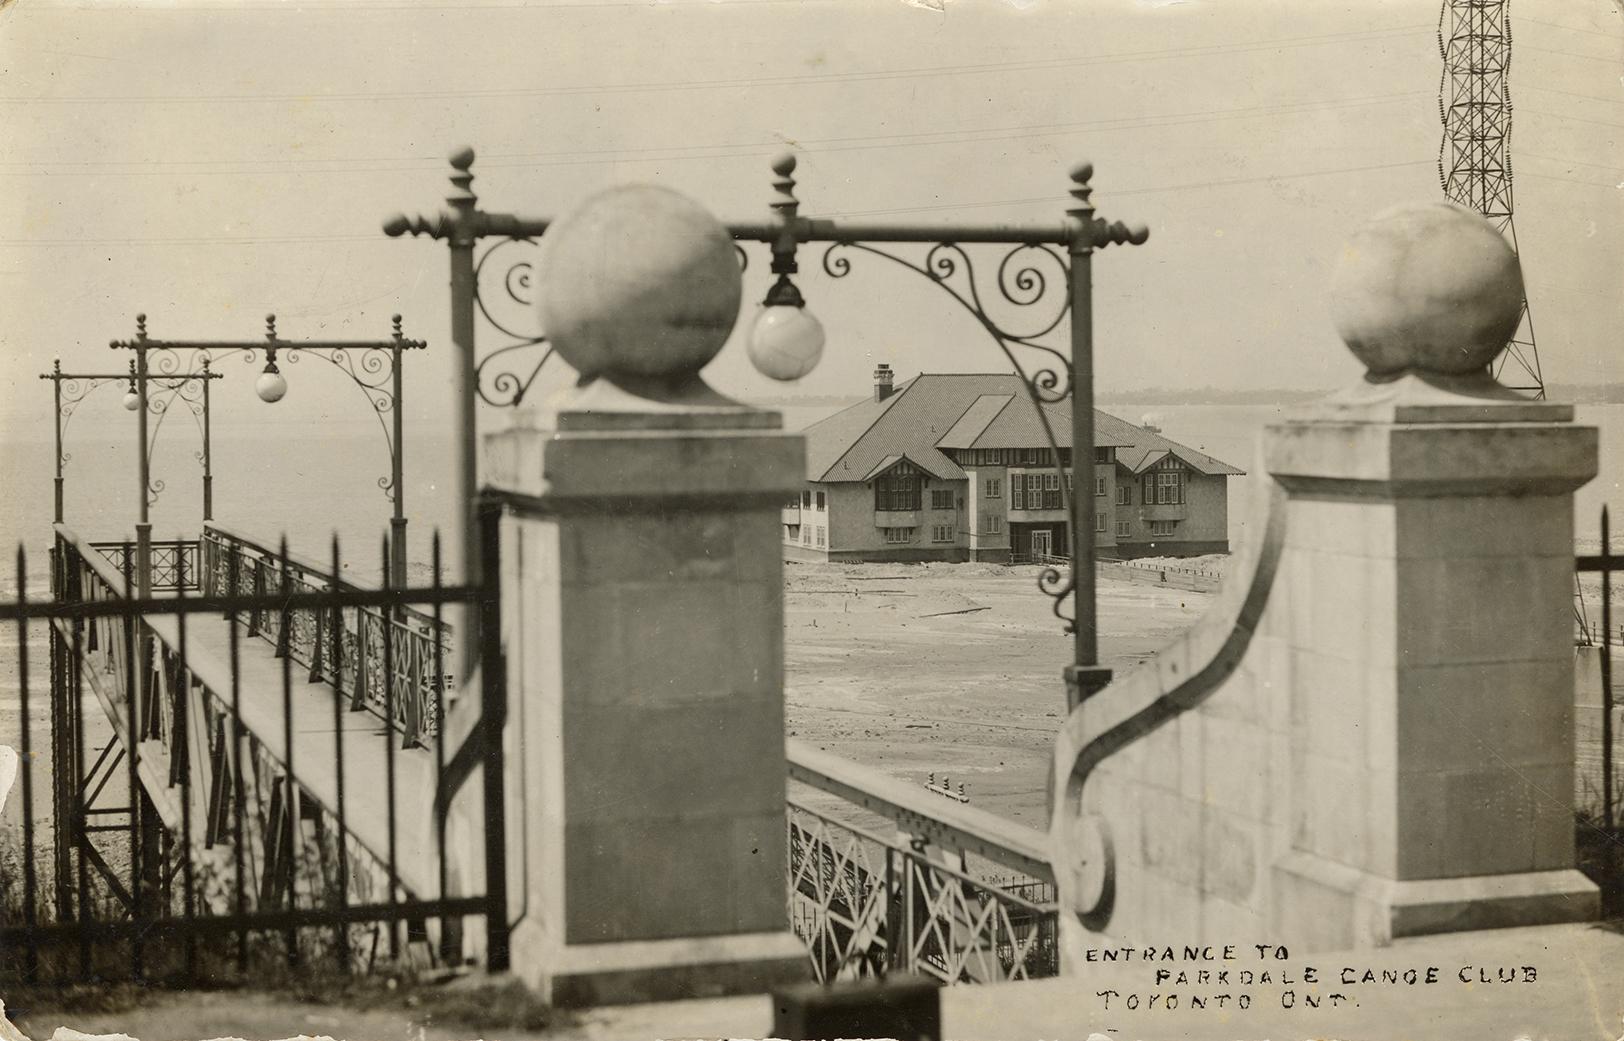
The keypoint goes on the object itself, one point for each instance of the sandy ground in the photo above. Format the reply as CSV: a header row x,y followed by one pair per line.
x,y
952,668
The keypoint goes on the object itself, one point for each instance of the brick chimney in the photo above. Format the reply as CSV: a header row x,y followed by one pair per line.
x,y
882,382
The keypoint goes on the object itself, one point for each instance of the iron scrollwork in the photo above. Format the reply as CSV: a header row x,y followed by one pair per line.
x,y
370,368
74,390
502,296
1025,278
189,391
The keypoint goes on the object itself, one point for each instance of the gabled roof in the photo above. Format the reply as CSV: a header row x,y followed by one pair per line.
x,y
849,444
829,439
935,411
1148,448
1020,426
885,464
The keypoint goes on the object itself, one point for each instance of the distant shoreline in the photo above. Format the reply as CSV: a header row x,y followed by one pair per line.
x,y
1596,394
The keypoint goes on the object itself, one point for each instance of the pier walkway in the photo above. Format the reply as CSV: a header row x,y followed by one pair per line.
x,y
297,748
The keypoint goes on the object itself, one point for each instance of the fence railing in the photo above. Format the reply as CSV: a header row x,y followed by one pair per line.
x,y
176,563
409,640
1176,569
1039,558
881,880
191,844
1599,634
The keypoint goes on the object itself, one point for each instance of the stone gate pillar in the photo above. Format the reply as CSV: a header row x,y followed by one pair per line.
x,y
643,618
1435,588
1370,735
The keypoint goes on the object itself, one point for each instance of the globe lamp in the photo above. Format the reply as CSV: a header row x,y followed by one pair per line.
x,y
271,386
132,400
786,341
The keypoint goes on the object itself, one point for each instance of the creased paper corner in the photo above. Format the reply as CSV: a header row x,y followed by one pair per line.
x,y
8,772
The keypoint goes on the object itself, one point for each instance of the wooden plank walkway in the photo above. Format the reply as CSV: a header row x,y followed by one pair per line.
x,y
367,745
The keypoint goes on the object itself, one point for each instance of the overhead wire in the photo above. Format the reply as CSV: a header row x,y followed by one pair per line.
x,y
1025,65
1049,200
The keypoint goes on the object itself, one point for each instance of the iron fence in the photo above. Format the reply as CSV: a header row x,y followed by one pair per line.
x,y
1597,737
868,904
380,656
207,811
175,562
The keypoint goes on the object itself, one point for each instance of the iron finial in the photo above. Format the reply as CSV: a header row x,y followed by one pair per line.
x,y
1081,190
270,327
141,327
395,321
784,200
462,178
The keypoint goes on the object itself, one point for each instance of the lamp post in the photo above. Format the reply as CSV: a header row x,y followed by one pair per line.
x,y
373,366
786,340
70,388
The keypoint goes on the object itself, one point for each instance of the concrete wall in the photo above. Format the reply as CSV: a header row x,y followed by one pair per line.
x,y
1207,497
1203,524
1362,739
813,523
984,544
851,516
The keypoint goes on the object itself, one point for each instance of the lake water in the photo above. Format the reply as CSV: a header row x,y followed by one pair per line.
x,y
311,485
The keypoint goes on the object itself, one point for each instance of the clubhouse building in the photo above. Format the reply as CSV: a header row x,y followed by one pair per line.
x,y
957,467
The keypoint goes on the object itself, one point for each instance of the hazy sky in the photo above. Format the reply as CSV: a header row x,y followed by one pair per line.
x,y
208,162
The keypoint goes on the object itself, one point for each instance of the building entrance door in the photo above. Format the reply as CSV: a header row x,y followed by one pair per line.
x,y
1041,542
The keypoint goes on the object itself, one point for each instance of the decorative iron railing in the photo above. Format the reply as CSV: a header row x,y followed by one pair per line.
x,y
868,903
176,563
211,843
410,641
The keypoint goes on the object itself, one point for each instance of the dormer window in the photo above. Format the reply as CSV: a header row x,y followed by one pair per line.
x,y
898,489
1163,484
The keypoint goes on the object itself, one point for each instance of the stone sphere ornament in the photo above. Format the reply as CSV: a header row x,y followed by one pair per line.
x,y
1430,288
640,281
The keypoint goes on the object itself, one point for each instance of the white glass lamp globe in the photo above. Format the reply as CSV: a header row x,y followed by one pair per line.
x,y
786,342
270,386
132,400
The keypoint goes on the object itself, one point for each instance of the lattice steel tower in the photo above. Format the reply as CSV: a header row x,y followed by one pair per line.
x,y
1474,158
